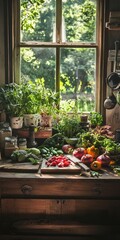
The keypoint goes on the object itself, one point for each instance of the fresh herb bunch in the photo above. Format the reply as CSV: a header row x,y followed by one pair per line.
x,y
104,144
11,99
96,119
57,140
111,147
69,126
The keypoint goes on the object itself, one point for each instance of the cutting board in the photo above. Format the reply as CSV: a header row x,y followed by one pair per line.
x,y
26,167
72,168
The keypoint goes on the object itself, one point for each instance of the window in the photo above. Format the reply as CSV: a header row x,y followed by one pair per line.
x,y
58,42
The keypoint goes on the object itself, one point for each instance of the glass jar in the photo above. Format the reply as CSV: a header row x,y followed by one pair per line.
x,y
22,143
5,131
84,118
10,146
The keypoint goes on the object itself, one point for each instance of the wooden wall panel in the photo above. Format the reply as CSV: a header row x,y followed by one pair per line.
x,y
112,116
2,40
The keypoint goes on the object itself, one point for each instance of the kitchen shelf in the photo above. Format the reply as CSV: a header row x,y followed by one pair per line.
x,y
114,21
40,133
111,26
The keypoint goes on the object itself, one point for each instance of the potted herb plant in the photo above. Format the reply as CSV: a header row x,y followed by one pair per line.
x,y
68,123
32,98
11,101
96,119
49,107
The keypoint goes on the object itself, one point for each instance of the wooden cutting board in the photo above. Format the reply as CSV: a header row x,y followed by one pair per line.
x,y
72,168
25,167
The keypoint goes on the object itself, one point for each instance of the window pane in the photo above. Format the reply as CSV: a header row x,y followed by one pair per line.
x,y
77,65
37,63
37,20
77,82
79,20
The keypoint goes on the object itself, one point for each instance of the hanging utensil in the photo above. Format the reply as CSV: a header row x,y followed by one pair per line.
x,y
113,80
110,102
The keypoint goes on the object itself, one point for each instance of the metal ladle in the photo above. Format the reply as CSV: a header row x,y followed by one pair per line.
x,y
113,80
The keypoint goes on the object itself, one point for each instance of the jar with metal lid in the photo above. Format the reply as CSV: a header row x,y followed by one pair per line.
x,y
10,146
5,131
22,143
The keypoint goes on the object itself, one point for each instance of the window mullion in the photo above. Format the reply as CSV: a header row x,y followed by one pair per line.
x,y
58,69
17,71
9,40
58,40
58,21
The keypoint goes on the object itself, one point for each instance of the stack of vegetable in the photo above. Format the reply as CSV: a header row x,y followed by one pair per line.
x,y
95,150
28,155
96,147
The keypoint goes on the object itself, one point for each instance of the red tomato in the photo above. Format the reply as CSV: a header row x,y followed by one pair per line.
x,y
60,161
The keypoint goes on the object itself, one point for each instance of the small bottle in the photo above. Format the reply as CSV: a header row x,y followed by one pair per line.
x,y
22,143
31,139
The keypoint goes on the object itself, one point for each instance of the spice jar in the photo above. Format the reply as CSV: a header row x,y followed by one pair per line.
x,y
10,146
22,143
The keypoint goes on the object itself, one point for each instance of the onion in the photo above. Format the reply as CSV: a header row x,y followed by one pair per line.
x,y
104,159
87,159
67,148
79,152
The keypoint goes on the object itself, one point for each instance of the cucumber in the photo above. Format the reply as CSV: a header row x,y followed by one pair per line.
x,y
59,152
35,151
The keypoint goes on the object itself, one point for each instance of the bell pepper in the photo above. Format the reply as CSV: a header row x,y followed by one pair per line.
x,y
112,163
95,165
93,151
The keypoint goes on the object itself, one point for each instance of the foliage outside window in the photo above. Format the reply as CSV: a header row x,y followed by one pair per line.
x,y
58,46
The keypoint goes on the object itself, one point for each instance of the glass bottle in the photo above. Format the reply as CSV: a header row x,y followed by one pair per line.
x,y
31,139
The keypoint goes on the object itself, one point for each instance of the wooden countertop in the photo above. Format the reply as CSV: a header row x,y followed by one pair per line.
x,y
105,174
29,171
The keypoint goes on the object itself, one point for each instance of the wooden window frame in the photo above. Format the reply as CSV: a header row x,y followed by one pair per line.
x,y
13,66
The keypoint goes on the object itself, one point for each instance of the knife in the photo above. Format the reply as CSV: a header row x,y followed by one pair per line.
x,y
76,161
